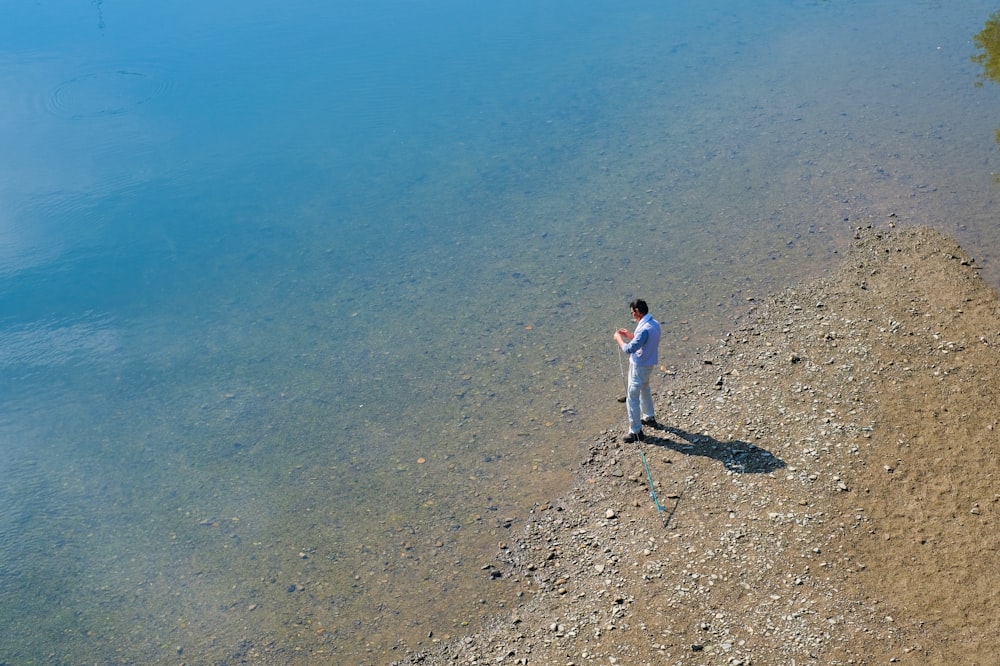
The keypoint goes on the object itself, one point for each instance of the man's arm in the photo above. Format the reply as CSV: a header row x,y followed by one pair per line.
x,y
636,342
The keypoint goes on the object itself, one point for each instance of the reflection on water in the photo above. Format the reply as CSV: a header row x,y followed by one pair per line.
x,y
293,331
987,41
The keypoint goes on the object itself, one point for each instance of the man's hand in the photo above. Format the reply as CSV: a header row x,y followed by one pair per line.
x,y
621,335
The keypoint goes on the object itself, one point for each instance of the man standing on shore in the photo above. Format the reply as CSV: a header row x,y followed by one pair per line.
x,y
642,348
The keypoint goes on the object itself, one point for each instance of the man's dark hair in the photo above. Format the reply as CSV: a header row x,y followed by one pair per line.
x,y
639,306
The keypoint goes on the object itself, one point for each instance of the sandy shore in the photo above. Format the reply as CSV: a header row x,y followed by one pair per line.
x,y
826,485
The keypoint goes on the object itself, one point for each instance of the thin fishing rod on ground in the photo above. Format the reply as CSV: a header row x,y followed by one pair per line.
x,y
649,476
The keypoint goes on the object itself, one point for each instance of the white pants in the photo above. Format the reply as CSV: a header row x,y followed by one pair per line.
x,y
640,397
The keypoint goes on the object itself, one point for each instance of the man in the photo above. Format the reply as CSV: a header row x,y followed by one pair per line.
x,y
642,348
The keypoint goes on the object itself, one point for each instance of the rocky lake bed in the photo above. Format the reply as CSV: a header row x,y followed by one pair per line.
x,y
819,489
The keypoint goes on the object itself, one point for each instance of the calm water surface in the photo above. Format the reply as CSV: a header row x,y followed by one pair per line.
x,y
304,306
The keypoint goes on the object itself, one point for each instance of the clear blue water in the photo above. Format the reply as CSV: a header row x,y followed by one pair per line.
x,y
303,305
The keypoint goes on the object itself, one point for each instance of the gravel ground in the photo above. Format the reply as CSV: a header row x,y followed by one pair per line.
x,y
824,491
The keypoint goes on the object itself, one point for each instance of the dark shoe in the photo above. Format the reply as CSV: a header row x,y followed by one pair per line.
x,y
622,398
633,437
650,421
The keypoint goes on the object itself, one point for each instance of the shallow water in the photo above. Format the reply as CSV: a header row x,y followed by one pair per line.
x,y
302,308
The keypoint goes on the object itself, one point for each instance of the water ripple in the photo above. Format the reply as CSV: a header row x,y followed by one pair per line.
x,y
53,343
109,91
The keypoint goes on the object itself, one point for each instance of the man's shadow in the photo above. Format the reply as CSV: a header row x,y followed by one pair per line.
x,y
737,456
